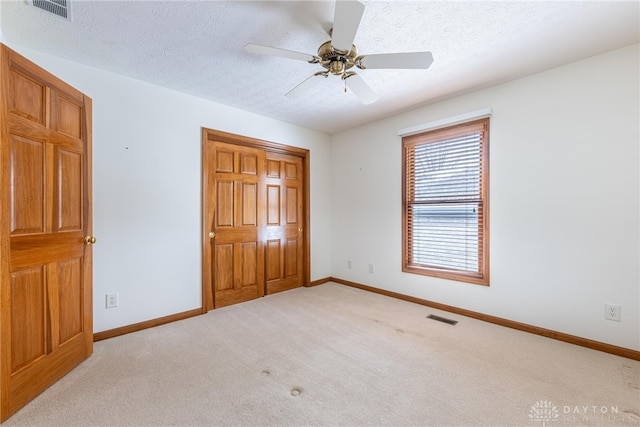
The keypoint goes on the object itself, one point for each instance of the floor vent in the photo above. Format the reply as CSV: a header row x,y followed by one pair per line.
x,y
61,8
442,319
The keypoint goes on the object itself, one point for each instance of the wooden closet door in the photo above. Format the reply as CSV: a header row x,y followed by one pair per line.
x,y
284,226
46,315
235,169
238,250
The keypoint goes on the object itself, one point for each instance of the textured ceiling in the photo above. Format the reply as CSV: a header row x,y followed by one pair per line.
x,y
196,47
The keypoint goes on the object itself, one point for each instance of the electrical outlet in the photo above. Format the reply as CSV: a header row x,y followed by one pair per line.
x,y
613,312
111,300
371,268
349,263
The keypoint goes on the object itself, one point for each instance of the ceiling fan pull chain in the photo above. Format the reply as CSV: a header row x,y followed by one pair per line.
x,y
345,85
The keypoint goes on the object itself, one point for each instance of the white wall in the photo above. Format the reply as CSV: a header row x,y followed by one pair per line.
x,y
564,172
146,189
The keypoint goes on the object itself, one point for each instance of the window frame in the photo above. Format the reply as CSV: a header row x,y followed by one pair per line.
x,y
481,277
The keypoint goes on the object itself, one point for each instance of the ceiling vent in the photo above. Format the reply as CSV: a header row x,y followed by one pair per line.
x,y
61,8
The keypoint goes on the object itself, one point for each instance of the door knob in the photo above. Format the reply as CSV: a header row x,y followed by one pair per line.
x,y
212,234
89,240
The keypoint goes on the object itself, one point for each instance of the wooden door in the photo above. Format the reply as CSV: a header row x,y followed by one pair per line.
x,y
239,172
46,269
238,250
284,227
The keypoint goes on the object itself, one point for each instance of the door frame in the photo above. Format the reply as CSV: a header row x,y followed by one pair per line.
x,y
209,137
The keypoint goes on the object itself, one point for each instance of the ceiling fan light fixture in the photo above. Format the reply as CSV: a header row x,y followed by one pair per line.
x,y
336,67
335,61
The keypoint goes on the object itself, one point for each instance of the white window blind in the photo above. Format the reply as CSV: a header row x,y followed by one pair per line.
x,y
445,199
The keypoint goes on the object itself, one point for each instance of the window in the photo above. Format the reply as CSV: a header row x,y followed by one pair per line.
x,y
446,202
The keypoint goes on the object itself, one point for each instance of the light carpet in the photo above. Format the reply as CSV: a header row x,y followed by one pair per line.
x,y
335,355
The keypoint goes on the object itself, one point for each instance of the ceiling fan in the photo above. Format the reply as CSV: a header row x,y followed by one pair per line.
x,y
339,55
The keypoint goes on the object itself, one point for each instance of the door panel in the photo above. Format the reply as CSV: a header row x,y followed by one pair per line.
x,y
273,204
70,299
223,267
249,163
66,115
27,99
27,186
291,258
69,190
27,317
249,204
224,160
284,228
273,256
224,204
249,265
292,205
46,315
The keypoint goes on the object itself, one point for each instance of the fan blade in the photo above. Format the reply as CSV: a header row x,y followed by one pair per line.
x,y
275,51
409,60
306,85
360,89
345,24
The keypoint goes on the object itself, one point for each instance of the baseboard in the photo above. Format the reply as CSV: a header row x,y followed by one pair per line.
x,y
319,282
99,336
572,339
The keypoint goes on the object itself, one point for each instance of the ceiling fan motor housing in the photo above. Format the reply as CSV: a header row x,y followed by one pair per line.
x,y
337,62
